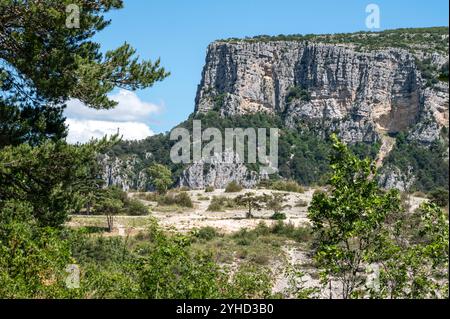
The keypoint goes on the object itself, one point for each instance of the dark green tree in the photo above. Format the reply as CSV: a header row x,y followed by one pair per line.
x,y
44,63
161,177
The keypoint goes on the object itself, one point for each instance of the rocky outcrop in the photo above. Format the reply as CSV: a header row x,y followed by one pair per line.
x,y
358,94
218,173
323,85
123,173
392,177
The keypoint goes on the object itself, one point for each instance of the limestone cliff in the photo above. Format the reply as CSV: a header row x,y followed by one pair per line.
x,y
365,92
367,87
360,94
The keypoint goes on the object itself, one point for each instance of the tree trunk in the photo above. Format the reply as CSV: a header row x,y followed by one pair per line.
x,y
110,220
249,213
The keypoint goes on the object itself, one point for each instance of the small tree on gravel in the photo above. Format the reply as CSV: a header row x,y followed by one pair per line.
x,y
251,201
276,203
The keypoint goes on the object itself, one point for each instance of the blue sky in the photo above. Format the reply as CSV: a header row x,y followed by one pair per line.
x,y
179,31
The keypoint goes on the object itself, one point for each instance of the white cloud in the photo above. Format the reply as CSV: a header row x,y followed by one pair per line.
x,y
83,130
130,108
129,117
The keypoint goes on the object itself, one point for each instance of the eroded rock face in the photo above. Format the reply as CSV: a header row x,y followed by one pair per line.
x,y
359,94
393,178
123,173
218,173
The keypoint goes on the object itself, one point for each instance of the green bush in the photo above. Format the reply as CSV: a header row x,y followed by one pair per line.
x,y
429,164
439,196
278,216
207,233
135,207
287,186
299,234
181,199
209,189
221,203
233,187
299,93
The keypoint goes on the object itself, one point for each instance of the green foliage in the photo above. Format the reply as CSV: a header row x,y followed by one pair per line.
x,y
209,189
45,63
406,38
180,199
297,93
429,164
53,178
439,197
169,271
251,201
161,177
135,207
233,187
278,216
32,258
221,203
443,75
275,202
206,233
109,203
303,155
413,255
356,224
428,71
251,282
287,186
300,234
347,219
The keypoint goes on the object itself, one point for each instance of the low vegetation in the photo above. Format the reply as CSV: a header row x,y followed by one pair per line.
x,y
435,39
222,203
233,187
172,198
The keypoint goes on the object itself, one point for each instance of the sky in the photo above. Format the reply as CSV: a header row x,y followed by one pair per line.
x,y
178,32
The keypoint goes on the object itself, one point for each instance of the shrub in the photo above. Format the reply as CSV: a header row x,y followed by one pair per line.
x,y
135,207
250,281
245,237
221,203
439,196
207,233
299,234
297,93
287,186
209,189
161,177
181,199
278,216
215,205
233,187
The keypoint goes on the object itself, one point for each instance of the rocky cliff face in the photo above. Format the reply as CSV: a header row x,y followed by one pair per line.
x,y
124,173
359,94
364,95
218,173
366,87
